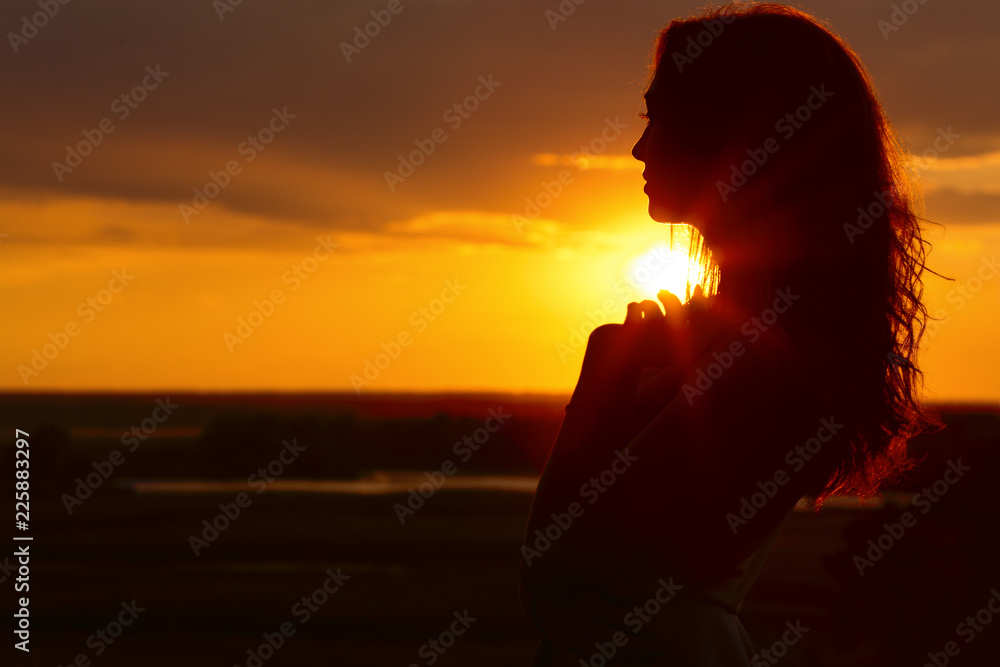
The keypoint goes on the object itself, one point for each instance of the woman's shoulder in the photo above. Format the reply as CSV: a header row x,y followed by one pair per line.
x,y
755,376
775,347
762,335
753,350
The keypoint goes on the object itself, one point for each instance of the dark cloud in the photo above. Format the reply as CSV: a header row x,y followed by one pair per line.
x,y
949,206
354,119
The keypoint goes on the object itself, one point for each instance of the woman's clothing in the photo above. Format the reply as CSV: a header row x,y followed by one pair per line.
x,y
697,625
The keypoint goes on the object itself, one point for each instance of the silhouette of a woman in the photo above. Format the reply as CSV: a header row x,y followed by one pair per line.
x,y
693,431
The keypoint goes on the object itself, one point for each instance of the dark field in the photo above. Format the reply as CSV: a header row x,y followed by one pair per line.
x,y
401,584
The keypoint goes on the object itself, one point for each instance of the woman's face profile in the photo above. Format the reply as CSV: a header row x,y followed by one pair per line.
x,y
670,176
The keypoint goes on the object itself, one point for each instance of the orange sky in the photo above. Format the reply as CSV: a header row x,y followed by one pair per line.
x,y
436,270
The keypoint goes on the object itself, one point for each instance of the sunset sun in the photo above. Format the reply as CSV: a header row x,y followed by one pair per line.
x,y
666,264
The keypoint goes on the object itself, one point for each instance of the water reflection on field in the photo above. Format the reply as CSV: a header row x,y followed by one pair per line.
x,y
402,481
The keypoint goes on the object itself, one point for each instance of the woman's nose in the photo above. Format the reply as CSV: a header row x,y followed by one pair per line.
x,y
639,150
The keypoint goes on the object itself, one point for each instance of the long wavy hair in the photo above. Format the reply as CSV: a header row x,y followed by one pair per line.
x,y
833,211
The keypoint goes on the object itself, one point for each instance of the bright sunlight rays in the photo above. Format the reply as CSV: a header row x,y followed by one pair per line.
x,y
667,264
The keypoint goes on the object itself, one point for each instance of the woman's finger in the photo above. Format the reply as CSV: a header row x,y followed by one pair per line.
x,y
651,310
672,307
633,313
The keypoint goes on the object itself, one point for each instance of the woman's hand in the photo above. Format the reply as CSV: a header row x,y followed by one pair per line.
x,y
617,353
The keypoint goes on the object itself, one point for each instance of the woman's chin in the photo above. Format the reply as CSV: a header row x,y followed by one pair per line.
x,y
664,214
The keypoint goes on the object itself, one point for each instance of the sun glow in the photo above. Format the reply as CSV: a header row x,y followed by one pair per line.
x,y
666,264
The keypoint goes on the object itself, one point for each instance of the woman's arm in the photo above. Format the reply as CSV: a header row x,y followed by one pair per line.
x,y
560,543
724,439
612,402
679,488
